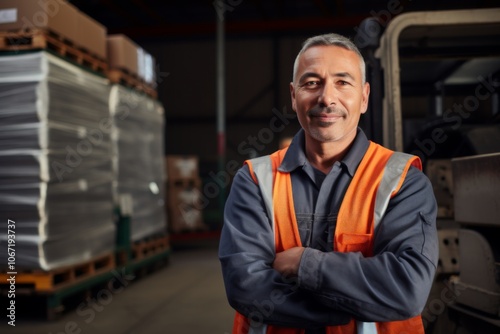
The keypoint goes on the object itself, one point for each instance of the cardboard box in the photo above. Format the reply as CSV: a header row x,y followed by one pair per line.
x,y
181,167
57,16
185,205
186,192
92,35
122,53
185,219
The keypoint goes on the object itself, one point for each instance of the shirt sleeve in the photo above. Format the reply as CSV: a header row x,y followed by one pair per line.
x,y
395,283
246,252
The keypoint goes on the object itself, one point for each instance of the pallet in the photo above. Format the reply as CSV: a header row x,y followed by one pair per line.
x,y
150,247
38,281
51,305
36,39
194,235
128,79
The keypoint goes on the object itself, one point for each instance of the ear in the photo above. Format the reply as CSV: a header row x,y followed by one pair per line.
x,y
365,97
292,95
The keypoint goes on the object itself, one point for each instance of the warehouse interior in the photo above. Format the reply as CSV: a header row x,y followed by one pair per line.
x,y
122,124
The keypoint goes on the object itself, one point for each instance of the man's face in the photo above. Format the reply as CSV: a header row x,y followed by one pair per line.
x,y
328,93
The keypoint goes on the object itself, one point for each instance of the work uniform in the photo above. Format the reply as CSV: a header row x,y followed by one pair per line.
x,y
331,287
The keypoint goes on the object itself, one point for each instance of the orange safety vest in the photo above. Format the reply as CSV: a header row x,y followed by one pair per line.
x,y
378,178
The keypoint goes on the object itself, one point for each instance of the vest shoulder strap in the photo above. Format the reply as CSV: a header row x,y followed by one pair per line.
x,y
261,170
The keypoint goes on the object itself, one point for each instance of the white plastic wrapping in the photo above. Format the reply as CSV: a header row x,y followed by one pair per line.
x,y
138,161
55,161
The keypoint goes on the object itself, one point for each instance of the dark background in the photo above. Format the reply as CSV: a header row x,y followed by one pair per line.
x,y
262,39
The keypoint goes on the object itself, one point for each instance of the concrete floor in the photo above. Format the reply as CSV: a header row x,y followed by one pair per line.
x,y
185,297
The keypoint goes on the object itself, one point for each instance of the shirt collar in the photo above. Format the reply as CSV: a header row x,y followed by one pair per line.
x,y
296,157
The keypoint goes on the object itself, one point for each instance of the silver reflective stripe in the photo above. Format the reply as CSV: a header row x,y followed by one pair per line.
x,y
392,174
260,330
263,170
366,327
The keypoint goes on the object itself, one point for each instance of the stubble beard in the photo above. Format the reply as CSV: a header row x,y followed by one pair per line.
x,y
316,131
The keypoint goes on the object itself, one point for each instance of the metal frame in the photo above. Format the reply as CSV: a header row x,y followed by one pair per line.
x,y
388,53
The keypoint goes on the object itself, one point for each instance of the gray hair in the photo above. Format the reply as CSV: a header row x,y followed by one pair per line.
x,y
330,40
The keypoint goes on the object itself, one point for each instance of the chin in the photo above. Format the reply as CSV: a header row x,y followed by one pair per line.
x,y
325,137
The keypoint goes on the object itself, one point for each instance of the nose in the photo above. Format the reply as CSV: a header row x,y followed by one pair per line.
x,y
328,96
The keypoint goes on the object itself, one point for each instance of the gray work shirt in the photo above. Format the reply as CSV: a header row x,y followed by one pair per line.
x,y
331,287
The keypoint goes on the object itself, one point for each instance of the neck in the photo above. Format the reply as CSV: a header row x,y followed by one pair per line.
x,y
322,155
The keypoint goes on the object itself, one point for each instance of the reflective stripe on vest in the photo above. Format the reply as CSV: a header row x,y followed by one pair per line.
x,y
263,171
261,330
366,327
390,183
378,178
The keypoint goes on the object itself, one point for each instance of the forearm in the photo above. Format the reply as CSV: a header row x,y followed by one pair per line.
x,y
394,283
381,288
262,294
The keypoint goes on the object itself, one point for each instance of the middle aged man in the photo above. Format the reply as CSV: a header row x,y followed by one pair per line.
x,y
334,234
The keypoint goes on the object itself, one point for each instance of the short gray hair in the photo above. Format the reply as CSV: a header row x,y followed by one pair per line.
x,y
330,40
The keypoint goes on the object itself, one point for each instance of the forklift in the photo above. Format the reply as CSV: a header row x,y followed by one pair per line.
x,y
435,82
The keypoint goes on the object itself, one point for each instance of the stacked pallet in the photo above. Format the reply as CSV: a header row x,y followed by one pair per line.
x,y
72,145
137,133
53,25
184,197
55,161
55,166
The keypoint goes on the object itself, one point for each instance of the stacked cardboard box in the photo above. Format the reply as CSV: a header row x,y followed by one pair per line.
x,y
131,64
56,17
70,142
184,196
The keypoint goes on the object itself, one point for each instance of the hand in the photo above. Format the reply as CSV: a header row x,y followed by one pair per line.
x,y
287,262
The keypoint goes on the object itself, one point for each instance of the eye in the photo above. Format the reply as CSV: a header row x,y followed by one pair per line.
x,y
343,83
311,84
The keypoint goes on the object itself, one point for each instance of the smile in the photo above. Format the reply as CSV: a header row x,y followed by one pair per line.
x,y
327,118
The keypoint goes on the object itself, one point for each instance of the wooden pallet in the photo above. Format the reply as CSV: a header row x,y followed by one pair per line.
x,y
35,39
125,78
38,281
150,247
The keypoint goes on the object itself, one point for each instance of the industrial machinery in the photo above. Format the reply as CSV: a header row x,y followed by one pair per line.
x,y
435,81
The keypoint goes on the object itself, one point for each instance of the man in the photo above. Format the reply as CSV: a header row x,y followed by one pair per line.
x,y
334,234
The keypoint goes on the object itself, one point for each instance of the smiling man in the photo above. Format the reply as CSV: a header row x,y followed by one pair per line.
x,y
333,234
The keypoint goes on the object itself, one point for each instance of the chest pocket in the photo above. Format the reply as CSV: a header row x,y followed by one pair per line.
x,y
354,242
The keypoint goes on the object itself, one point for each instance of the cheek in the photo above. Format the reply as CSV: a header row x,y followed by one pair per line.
x,y
352,102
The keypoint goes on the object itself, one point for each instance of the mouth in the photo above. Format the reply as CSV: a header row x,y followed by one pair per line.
x,y
326,115
327,118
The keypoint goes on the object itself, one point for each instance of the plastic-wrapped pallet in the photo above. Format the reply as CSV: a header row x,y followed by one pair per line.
x,y
138,158
55,161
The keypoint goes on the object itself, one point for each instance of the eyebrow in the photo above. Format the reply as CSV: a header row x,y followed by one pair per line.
x,y
344,75
316,75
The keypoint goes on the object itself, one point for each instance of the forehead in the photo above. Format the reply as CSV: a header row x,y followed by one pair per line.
x,y
329,58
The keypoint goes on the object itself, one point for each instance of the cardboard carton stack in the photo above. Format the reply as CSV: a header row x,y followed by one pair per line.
x,y
70,142
131,65
184,196
55,161
26,24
